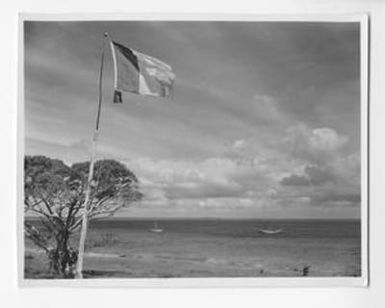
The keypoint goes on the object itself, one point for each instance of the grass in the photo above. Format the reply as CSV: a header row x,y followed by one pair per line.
x,y
105,240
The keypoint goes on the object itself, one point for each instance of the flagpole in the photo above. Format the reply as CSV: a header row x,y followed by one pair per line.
x,y
83,232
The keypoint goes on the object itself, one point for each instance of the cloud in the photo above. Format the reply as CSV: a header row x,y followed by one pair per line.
x,y
313,175
214,170
326,139
209,178
316,145
326,175
218,178
239,145
318,176
295,180
348,168
322,154
264,158
326,196
336,198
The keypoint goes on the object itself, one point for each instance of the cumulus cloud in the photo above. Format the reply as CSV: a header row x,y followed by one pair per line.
x,y
300,170
325,174
266,161
187,179
214,178
316,145
326,139
213,170
313,175
321,150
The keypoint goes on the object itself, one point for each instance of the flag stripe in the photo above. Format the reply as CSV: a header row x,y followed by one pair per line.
x,y
127,69
143,86
147,85
129,54
115,64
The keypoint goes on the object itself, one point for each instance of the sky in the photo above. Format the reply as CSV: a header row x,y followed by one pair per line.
x,y
263,120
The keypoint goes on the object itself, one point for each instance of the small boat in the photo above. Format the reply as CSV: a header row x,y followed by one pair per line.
x,y
269,231
156,229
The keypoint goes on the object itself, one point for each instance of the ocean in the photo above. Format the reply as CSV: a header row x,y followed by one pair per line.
x,y
316,229
222,248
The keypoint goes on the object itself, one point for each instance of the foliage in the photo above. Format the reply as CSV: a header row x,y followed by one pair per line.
x,y
55,193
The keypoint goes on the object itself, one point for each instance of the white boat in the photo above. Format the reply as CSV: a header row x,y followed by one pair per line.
x,y
269,231
156,229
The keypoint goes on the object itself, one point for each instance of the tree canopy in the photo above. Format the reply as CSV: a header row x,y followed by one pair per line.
x,y
57,191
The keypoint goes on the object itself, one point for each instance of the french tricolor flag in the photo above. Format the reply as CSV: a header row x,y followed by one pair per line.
x,y
138,73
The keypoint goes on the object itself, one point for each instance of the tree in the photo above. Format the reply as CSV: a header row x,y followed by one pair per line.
x,y
55,193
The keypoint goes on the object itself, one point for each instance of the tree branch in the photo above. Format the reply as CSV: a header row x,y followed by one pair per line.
x,y
34,234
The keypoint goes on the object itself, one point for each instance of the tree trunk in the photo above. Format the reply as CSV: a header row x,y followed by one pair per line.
x,y
63,258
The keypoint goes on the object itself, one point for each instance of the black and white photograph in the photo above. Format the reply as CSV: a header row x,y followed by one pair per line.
x,y
171,149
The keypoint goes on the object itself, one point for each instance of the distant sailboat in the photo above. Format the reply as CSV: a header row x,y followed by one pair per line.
x,y
156,229
269,231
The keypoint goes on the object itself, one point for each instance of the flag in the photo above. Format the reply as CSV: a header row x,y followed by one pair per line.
x,y
138,73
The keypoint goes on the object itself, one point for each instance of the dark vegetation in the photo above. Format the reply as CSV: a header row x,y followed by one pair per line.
x,y
54,193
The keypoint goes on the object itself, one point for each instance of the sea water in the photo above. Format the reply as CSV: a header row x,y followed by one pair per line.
x,y
233,248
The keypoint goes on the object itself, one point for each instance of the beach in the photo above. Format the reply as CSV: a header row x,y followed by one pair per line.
x,y
215,248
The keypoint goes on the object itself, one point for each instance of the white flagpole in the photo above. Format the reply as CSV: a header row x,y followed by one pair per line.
x,y
83,232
